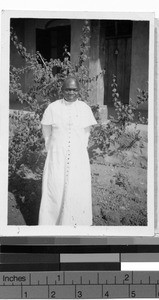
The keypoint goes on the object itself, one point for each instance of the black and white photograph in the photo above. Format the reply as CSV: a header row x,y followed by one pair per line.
x,y
79,115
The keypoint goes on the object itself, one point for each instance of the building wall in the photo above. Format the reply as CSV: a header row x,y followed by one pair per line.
x,y
139,59
30,44
76,30
95,65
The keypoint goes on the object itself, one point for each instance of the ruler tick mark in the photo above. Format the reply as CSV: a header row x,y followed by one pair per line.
x,y
102,291
48,291
21,290
155,290
97,278
132,277
63,277
129,290
149,280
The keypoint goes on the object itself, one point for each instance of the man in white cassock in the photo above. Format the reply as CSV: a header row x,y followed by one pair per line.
x,y
66,189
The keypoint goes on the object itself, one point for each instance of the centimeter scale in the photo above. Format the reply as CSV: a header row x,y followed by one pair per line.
x,y
76,285
76,272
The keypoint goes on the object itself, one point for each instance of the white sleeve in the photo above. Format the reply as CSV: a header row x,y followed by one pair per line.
x,y
47,131
88,118
91,118
47,118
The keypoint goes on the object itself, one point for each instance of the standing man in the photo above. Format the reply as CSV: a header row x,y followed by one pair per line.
x,y
66,191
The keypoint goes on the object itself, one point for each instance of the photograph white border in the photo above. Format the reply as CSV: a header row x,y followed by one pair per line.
x,y
85,231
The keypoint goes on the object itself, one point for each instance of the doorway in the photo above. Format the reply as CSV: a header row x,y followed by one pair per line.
x,y
117,58
50,42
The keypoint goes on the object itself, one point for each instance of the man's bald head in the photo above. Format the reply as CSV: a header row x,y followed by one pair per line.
x,y
71,80
71,88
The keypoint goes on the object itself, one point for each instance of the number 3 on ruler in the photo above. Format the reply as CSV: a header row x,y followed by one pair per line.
x,y
79,294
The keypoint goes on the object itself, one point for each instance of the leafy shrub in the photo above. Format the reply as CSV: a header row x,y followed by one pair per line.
x,y
25,139
105,135
125,112
113,136
95,110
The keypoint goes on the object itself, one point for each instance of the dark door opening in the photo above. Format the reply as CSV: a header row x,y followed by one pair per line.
x,y
117,56
50,42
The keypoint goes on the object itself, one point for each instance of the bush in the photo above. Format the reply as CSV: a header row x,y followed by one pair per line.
x,y
25,139
113,136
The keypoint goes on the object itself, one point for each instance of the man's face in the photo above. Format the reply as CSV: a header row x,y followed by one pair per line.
x,y
70,90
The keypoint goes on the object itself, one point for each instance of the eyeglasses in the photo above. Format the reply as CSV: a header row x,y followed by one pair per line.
x,y
71,90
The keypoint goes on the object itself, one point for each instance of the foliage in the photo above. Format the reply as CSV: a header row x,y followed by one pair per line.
x,y
25,139
95,110
110,139
142,96
125,112
104,136
114,136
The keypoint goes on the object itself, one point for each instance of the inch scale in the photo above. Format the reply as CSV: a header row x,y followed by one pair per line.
x,y
79,285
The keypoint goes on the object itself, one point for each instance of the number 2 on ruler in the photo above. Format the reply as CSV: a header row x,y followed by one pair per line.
x,y
53,294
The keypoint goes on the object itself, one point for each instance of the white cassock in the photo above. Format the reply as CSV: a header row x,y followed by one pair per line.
x,y
66,190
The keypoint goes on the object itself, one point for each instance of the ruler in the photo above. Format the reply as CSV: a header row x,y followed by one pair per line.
x,y
69,271
79,285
